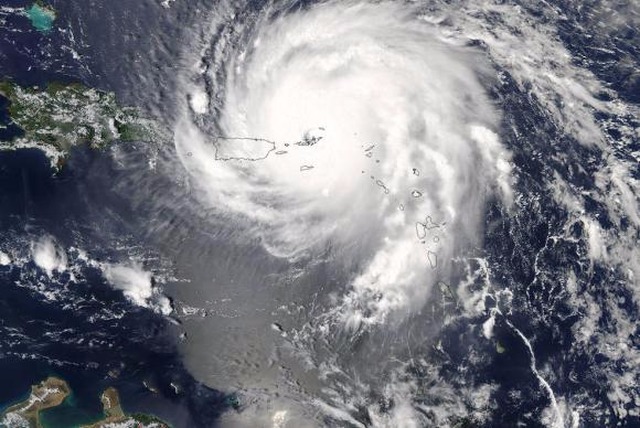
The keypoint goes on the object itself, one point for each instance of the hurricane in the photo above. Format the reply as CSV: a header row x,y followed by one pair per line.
x,y
354,125
381,139
309,213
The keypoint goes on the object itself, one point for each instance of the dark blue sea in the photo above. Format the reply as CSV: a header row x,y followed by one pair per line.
x,y
76,336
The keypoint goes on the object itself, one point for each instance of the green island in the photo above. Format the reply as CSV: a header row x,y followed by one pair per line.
x,y
60,116
53,391
41,16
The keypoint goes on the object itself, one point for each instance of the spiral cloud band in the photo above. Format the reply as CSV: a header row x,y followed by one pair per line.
x,y
356,126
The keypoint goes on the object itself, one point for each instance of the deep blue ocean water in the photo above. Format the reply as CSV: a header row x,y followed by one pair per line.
x,y
55,341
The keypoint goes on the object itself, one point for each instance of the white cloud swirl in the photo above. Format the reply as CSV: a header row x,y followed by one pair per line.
x,y
353,124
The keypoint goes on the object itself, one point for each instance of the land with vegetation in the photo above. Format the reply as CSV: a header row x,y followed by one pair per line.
x,y
60,116
53,391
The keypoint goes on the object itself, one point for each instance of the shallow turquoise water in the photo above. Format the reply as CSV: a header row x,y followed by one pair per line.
x,y
41,17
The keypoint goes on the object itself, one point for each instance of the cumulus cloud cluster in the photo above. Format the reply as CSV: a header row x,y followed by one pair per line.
x,y
48,256
5,259
136,283
137,286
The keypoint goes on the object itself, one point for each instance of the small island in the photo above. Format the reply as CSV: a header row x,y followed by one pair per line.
x,y
113,414
49,393
53,391
60,116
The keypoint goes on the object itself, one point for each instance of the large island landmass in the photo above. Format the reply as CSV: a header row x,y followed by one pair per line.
x,y
60,116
